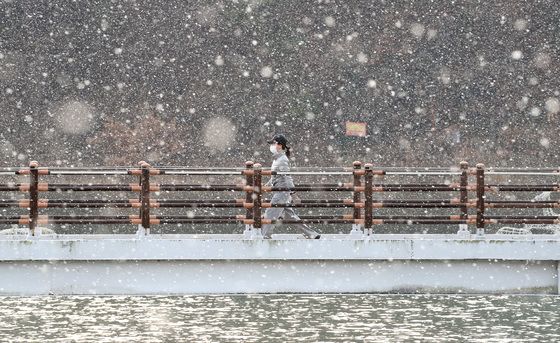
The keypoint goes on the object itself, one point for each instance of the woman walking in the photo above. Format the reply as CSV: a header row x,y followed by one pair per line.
x,y
281,163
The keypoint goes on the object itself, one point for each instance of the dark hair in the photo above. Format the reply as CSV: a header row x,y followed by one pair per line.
x,y
287,148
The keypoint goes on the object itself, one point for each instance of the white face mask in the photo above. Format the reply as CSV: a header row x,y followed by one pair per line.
x,y
273,148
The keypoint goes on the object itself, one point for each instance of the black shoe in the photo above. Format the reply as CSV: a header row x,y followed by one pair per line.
x,y
312,237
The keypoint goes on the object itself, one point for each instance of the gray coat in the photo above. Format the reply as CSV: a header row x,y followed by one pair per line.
x,y
281,163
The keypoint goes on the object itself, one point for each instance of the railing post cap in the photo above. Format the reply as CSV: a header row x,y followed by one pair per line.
x,y
33,164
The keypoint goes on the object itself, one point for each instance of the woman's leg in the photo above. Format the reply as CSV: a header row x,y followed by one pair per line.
x,y
274,212
305,229
271,213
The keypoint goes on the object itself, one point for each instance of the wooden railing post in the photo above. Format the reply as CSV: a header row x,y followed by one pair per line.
x,y
248,198
257,196
249,183
480,198
464,197
145,196
368,211
33,196
357,197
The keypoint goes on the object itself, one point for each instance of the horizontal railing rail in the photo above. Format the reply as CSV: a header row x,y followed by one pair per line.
x,y
366,184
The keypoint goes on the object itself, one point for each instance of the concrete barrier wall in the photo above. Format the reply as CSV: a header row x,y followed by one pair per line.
x,y
301,276
182,264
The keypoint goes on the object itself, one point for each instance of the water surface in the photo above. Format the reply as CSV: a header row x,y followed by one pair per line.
x,y
281,318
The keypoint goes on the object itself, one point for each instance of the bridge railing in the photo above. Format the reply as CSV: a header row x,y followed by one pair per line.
x,y
471,202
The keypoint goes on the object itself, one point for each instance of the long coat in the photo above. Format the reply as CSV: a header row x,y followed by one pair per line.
x,y
281,163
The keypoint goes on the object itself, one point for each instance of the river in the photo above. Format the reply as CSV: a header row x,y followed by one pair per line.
x,y
281,318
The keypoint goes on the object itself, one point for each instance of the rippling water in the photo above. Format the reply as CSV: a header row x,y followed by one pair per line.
x,y
281,318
